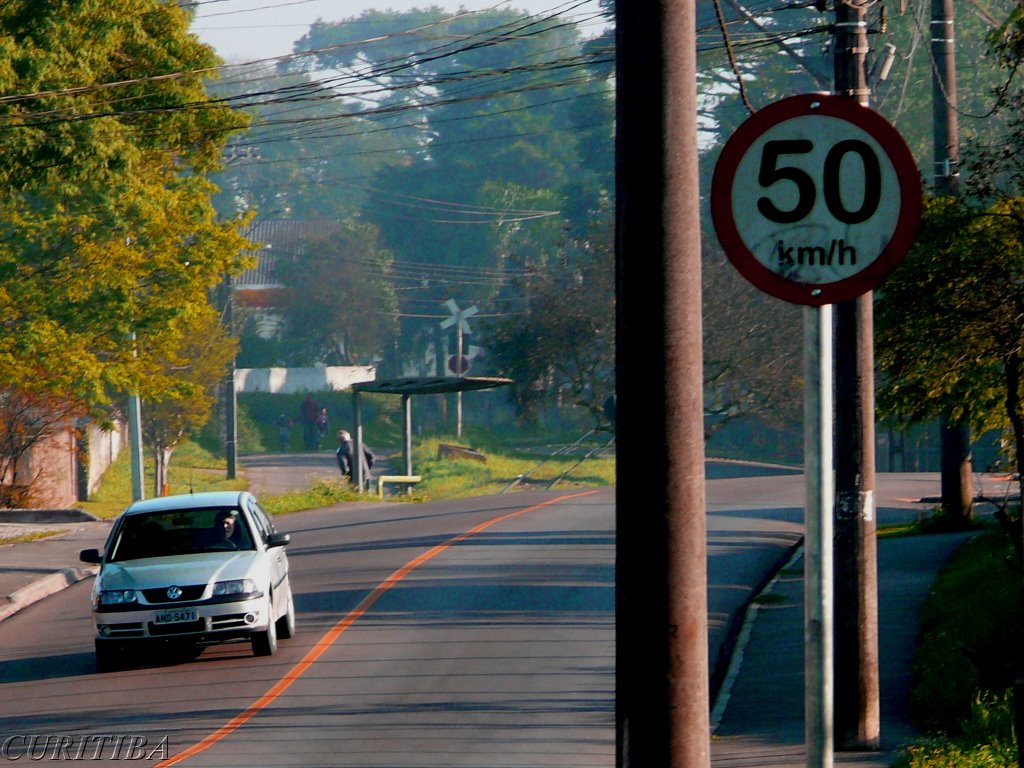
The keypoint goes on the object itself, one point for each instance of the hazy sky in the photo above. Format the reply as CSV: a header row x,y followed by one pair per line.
x,y
246,30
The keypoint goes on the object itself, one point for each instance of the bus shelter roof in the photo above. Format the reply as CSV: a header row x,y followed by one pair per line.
x,y
431,385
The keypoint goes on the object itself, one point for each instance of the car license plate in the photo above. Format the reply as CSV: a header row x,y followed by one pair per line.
x,y
175,617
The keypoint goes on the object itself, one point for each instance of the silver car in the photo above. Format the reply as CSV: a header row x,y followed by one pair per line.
x,y
181,572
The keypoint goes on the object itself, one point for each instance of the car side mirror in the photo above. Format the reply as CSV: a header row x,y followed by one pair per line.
x,y
278,540
90,556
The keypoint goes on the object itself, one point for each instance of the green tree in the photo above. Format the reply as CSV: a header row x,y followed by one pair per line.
x,y
106,225
949,323
338,301
309,154
469,101
196,364
752,351
561,348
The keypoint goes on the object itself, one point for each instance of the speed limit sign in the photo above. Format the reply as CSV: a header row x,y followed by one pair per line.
x,y
816,199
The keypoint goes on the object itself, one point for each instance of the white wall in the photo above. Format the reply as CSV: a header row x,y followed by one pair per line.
x,y
104,448
297,380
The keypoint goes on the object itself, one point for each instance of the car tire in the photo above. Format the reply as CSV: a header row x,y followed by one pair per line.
x,y
286,624
110,655
186,651
265,643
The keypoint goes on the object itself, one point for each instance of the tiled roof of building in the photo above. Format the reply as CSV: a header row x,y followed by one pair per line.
x,y
281,241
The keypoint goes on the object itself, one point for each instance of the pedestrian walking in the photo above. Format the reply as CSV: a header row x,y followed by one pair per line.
x,y
284,431
344,455
321,427
308,411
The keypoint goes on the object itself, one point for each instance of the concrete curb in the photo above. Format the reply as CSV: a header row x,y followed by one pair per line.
x,y
739,646
43,587
46,516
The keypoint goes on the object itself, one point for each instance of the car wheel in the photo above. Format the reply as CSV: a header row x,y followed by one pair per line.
x,y
265,643
110,655
186,651
286,624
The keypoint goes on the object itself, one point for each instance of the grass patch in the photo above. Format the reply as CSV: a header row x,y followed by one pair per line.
x,y
524,468
770,598
194,468
895,530
36,536
321,494
978,602
933,521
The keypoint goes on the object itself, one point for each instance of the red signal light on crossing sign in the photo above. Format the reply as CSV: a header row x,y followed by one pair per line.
x,y
816,199
458,364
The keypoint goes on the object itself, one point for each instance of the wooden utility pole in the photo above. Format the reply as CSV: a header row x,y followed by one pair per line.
x,y
955,438
662,696
855,551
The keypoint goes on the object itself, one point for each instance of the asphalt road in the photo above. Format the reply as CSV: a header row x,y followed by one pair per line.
x,y
496,649
470,633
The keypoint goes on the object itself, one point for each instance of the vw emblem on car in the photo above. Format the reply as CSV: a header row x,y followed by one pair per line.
x,y
173,593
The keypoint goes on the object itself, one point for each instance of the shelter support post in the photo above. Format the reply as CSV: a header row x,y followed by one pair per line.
x,y
357,407
407,432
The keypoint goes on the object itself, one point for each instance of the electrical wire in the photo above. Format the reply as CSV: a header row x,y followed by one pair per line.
x,y
744,96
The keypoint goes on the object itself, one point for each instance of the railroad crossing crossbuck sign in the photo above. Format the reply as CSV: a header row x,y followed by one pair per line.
x,y
816,199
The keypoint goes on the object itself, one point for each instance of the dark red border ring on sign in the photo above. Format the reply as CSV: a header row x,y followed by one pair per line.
x,y
896,150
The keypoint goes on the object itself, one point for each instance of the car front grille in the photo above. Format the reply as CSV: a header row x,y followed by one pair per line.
x,y
158,596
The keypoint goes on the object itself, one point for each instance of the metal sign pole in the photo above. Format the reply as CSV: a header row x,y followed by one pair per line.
x,y
818,427
458,372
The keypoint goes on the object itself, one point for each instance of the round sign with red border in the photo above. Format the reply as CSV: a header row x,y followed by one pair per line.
x,y
816,199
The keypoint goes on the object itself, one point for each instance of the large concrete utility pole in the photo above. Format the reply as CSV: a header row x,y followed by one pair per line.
x,y
662,697
855,568
955,442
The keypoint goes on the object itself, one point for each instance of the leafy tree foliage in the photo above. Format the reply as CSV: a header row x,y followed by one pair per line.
x,y
338,301
106,228
901,97
563,348
196,364
465,138
307,155
752,350
993,159
473,98
950,322
949,329
470,101
107,232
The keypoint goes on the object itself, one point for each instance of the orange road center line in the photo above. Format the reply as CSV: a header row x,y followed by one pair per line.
x,y
329,637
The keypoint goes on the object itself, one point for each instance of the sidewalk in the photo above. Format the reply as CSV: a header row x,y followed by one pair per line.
x,y
30,571
758,719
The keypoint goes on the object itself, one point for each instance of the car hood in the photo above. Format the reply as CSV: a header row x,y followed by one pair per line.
x,y
182,570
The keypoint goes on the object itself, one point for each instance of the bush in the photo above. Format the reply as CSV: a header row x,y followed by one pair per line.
x,y
977,602
987,739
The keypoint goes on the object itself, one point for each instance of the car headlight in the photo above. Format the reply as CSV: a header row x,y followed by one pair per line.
x,y
118,596
235,587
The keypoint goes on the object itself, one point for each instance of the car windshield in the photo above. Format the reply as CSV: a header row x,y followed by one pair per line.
x,y
180,532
